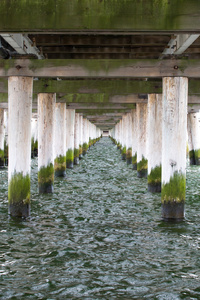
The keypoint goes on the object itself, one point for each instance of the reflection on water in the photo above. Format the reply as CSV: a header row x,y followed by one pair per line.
x,y
100,236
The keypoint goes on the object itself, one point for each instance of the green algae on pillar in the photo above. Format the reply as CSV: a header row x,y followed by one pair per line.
x,y
173,197
123,153
70,158
19,195
134,161
46,179
2,158
85,148
142,166
154,180
76,156
129,156
60,166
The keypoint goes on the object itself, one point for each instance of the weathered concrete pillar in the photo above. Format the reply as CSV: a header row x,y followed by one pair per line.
x,y
142,162
124,137
19,140
70,119
193,125
34,139
60,140
85,136
80,136
174,127
46,118
129,139
6,137
2,136
154,142
76,139
119,145
134,139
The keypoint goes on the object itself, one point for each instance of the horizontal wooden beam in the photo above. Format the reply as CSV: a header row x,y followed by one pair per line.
x,y
105,68
120,15
107,106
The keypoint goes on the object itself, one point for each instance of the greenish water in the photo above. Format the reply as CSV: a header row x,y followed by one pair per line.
x,y
100,236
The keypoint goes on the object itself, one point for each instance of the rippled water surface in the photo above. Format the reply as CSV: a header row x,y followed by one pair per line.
x,y
100,236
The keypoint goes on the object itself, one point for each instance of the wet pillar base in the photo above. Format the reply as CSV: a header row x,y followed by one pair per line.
x,y
123,153
173,211
70,159
46,188
142,173
129,160
19,195
76,160
194,156
60,166
142,168
154,188
46,179
19,210
2,164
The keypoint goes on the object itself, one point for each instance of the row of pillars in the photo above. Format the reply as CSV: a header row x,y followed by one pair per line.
x,y
62,136
153,137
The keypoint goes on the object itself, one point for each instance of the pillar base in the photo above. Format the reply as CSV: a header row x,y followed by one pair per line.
x,y
80,156
129,161
134,166
154,188
20,210
173,211
1,163
45,188
70,165
60,173
123,156
76,161
84,153
142,173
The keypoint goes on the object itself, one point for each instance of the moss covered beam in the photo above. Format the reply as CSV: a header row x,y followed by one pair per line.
x,y
87,15
71,90
90,106
100,68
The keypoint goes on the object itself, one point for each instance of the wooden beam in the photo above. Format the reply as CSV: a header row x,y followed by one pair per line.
x,y
48,16
107,106
104,68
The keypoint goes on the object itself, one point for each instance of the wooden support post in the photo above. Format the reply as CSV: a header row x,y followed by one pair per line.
x,y
19,135
46,113
174,127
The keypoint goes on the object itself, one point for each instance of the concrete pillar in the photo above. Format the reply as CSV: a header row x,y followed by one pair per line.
x,y
70,119
80,136
193,125
60,140
46,118
76,139
34,140
174,127
129,139
154,142
6,137
2,136
19,140
85,136
134,139
142,162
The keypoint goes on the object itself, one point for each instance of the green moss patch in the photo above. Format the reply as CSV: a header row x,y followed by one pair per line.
x,y
80,149
46,175
76,153
19,189
134,158
142,165
124,151
174,191
154,177
85,147
60,163
1,154
129,153
69,156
